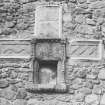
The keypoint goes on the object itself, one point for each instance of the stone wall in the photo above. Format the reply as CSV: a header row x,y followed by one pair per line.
x,y
85,79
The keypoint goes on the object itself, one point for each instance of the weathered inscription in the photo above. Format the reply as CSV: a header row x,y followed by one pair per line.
x,y
48,21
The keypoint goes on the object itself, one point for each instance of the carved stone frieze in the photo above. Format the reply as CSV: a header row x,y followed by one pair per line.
x,y
50,51
15,49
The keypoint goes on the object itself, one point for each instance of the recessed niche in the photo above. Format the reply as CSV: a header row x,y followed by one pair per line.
x,y
48,72
48,21
49,59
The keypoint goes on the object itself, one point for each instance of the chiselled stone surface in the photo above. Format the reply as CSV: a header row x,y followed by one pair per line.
x,y
67,17
102,102
4,102
85,29
13,75
97,5
82,1
21,94
97,90
85,91
8,94
32,101
92,99
81,19
77,83
79,97
84,6
101,74
103,29
3,83
91,76
20,102
90,22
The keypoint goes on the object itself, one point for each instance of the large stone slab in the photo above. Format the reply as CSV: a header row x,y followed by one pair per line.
x,y
48,21
15,49
81,49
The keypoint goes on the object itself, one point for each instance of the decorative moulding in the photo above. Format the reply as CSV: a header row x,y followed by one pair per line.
x,y
48,53
11,49
48,21
85,49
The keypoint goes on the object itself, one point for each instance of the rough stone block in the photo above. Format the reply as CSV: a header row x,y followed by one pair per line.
x,y
21,94
82,1
3,83
101,74
4,102
92,99
20,102
102,102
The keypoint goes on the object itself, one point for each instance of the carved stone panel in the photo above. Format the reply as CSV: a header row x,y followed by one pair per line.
x,y
90,49
48,65
50,51
15,49
48,21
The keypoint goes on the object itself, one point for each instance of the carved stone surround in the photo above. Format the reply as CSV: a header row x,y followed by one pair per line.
x,y
49,50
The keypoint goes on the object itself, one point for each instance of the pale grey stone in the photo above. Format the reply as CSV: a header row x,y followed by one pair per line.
x,y
90,1
81,74
10,24
90,22
13,81
91,76
79,97
71,91
82,1
77,83
13,75
89,84
100,20
4,102
102,102
3,83
103,29
32,101
85,90
67,17
101,74
85,29
98,90
73,1
97,5
96,81
92,99
20,102
21,94
84,6
8,94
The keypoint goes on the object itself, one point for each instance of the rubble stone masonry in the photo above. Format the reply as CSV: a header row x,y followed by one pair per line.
x,y
85,80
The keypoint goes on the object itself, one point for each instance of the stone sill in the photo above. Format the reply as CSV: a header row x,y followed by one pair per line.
x,y
46,88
